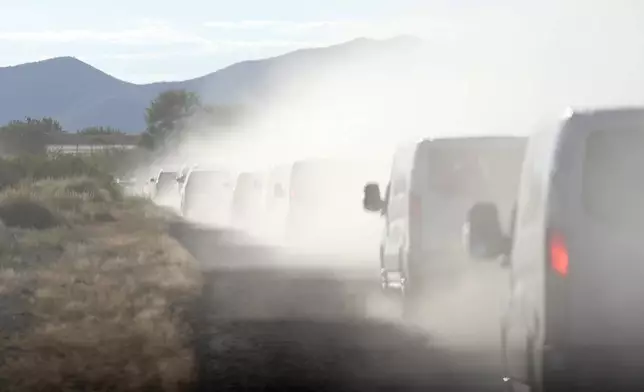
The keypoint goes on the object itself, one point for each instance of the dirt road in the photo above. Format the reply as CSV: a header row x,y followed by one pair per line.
x,y
268,321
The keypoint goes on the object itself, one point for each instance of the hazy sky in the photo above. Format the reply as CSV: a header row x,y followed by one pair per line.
x,y
150,40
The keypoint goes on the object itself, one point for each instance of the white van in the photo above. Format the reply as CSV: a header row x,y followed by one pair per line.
x,y
575,316
165,190
432,185
248,200
324,215
206,196
277,202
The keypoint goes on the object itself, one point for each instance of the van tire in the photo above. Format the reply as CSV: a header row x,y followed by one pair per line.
x,y
409,289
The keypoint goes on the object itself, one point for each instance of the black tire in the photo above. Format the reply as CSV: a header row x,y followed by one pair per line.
x,y
412,288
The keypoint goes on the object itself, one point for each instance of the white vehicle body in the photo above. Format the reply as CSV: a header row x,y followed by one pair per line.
x,y
574,317
276,204
249,199
206,196
432,185
324,214
165,190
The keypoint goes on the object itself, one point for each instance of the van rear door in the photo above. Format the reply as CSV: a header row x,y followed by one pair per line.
x,y
601,241
460,173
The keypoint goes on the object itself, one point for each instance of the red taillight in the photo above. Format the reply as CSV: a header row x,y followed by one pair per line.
x,y
559,259
415,206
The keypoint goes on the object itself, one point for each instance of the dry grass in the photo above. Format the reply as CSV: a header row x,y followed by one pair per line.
x,y
79,200
104,310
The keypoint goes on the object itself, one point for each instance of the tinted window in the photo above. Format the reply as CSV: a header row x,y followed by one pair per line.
x,y
166,176
613,183
248,189
476,170
248,183
166,179
207,176
197,178
205,180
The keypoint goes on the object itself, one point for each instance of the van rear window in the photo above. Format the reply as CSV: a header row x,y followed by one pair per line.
x,y
476,171
613,178
167,178
204,179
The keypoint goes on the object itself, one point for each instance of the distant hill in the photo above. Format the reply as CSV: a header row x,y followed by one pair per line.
x,y
79,95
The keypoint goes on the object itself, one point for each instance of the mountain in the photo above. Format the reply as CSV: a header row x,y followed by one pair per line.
x,y
79,95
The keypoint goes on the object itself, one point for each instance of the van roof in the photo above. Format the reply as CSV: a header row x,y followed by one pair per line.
x,y
555,126
408,148
475,141
604,115
404,155
165,171
473,138
208,170
592,112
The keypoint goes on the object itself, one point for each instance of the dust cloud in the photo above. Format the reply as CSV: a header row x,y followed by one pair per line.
x,y
338,120
344,114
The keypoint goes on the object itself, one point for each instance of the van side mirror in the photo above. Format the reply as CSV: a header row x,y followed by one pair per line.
x,y
181,179
482,233
153,180
372,200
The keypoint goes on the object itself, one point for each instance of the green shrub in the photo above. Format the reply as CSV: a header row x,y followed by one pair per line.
x,y
26,213
78,200
99,190
90,188
60,166
38,167
114,190
11,172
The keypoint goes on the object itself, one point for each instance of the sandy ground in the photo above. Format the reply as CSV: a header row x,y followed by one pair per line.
x,y
271,320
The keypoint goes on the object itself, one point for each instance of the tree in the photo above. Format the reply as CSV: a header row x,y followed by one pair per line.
x,y
100,131
28,136
168,114
45,124
224,115
217,120
147,141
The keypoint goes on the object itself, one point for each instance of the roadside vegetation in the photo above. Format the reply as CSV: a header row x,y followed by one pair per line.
x,y
94,293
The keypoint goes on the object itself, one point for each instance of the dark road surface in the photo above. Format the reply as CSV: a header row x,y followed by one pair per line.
x,y
267,324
